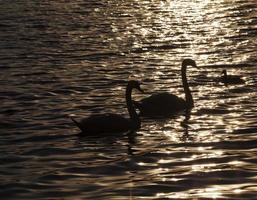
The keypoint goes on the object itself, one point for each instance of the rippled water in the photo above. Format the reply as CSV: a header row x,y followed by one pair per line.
x,y
61,58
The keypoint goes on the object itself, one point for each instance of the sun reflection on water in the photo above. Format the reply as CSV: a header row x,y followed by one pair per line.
x,y
204,167
213,192
210,193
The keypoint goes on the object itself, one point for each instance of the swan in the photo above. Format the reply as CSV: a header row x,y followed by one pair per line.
x,y
231,79
112,123
165,104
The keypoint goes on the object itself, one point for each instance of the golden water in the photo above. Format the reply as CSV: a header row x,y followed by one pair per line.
x,y
61,58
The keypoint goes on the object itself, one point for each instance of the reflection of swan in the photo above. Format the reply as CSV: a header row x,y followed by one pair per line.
x,y
112,123
231,79
165,104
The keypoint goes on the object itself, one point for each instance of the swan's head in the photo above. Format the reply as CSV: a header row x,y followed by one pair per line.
x,y
135,84
189,62
224,72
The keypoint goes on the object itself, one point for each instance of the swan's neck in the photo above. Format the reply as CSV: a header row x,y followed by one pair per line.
x,y
188,95
131,109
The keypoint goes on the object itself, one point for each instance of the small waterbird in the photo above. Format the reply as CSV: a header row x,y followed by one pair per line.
x,y
231,79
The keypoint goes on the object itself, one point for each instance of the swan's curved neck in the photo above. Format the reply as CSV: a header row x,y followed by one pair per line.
x,y
188,95
131,109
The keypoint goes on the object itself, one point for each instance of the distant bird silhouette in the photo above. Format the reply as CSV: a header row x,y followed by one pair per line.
x,y
165,104
112,123
231,79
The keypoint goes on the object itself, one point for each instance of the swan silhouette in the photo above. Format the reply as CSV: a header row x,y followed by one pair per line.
x,y
231,79
112,123
165,104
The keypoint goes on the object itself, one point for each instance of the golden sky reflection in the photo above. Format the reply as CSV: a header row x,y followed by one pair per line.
x,y
213,192
170,23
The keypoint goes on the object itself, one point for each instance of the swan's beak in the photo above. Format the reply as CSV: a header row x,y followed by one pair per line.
x,y
223,72
140,89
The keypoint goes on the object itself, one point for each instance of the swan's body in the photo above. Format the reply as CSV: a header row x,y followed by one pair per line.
x,y
160,105
105,123
112,123
165,104
231,79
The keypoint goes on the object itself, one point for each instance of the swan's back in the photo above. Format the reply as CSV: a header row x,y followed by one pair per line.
x,y
105,123
232,79
161,104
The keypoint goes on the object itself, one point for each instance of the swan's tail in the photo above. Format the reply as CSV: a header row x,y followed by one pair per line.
x,y
77,123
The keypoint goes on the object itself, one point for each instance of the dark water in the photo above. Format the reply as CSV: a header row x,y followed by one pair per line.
x,y
62,58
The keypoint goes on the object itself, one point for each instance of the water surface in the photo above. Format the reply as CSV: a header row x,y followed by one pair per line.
x,y
74,58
